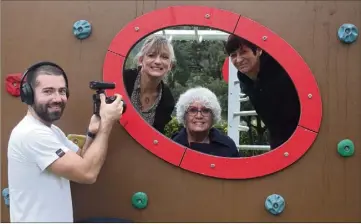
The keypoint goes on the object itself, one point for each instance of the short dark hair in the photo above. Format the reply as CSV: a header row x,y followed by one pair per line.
x,y
234,42
46,69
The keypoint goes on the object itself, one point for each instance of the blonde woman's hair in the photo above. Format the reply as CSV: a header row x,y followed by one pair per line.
x,y
158,43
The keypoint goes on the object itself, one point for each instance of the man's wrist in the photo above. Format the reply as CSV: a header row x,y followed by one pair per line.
x,y
105,127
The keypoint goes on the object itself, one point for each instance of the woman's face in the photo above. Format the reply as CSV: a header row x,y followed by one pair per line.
x,y
245,60
198,118
156,62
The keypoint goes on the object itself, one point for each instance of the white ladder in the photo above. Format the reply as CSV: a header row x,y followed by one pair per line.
x,y
235,98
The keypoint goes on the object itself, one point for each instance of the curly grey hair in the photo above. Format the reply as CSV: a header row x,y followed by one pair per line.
x,y
203,96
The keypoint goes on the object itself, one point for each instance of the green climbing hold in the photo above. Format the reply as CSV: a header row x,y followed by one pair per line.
x,y
140,200
346,148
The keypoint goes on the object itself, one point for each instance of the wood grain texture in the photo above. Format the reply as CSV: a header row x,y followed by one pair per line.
x,y
321,187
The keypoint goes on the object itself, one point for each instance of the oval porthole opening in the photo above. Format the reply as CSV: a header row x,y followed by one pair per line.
x,y
282,156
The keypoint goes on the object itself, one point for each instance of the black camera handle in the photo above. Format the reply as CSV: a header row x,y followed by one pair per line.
x,y
96,104
108,100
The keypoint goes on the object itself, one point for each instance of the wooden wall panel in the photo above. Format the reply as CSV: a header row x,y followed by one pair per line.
x,y
321,187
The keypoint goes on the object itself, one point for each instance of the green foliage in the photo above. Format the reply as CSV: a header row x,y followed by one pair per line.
x,y
200,64
172,127
222,127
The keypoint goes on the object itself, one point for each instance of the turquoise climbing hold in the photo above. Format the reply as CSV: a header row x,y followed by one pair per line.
x,y
347,33
346,148
6,196
82,29
140,200
275,204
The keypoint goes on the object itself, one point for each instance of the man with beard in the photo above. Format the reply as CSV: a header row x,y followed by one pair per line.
x,y
41,160
268,86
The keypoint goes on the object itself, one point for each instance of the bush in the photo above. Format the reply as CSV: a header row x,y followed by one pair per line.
x,y
172,127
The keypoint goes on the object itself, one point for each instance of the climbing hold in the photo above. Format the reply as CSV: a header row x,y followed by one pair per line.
x,y
140,200
79,140
6,196
347,33
12,84
346,148
82,29
275,204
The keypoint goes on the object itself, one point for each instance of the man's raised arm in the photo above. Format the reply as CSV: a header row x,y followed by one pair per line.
x,y
86,169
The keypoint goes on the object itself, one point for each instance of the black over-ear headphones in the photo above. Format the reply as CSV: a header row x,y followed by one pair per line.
x,y
26,91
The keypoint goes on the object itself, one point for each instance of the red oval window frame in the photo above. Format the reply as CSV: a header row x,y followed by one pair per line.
x,y
208,165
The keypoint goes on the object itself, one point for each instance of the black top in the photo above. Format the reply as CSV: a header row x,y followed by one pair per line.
x,y
274,98
220,144
165,106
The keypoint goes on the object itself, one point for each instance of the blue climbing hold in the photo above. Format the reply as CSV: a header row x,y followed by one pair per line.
x,y
6,196
82,29
348,33
275,204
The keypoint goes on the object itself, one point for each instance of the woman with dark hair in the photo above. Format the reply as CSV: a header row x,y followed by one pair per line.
x,y
268,86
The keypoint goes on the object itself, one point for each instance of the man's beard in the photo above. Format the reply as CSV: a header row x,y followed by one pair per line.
x,y
42,111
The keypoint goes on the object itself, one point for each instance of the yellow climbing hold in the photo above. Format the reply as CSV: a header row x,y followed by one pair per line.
x,y
77,139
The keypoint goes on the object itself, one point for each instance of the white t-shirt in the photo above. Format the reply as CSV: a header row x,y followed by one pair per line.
x,y
36,194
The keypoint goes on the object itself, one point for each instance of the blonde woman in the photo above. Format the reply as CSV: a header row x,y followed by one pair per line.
x,y
149,94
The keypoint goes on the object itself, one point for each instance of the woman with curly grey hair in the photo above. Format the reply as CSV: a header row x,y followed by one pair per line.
x,y
198,110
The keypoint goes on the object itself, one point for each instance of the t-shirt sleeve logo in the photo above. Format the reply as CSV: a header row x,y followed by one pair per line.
x,y
60,152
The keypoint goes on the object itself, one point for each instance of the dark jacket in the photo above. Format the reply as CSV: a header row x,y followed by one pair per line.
x,y
274,98
220,144
166,104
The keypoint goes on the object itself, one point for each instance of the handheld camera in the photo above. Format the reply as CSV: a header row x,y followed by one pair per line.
x,y
100,87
